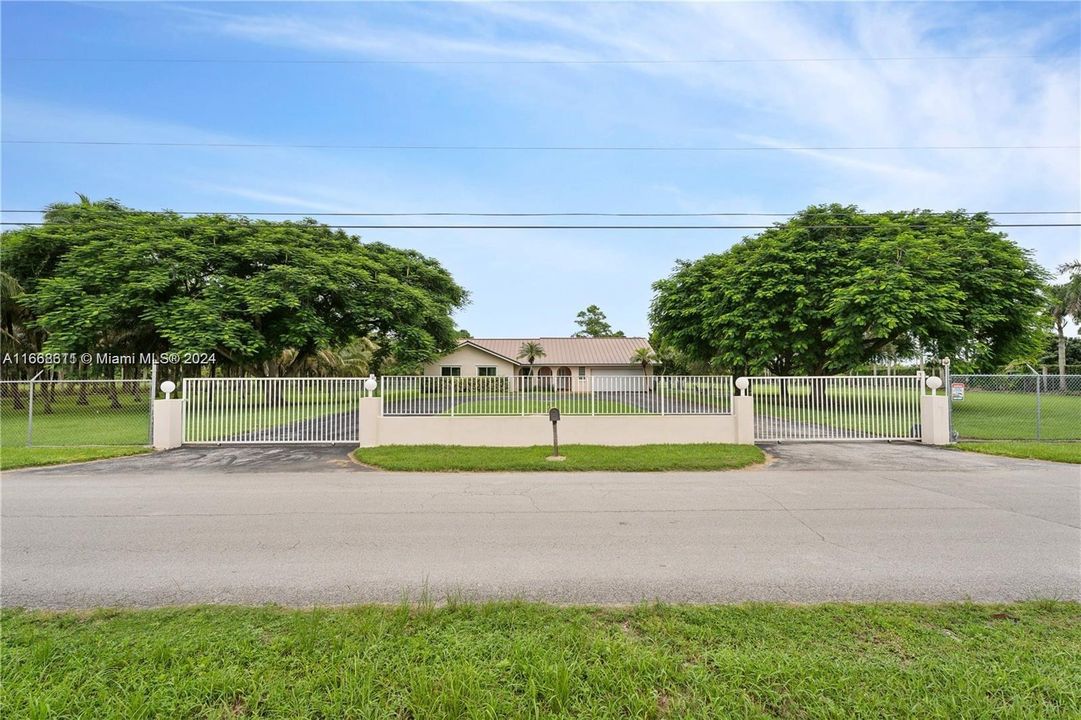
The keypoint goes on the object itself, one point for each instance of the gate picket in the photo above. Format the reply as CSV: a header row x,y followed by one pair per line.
x,y
836,407
268,411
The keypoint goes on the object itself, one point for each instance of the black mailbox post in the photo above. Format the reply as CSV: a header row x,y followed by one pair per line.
x,y
553,415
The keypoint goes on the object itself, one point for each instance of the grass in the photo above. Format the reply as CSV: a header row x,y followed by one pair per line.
x,y
72,424
640,458
517,660
1056,451
17,457
986,415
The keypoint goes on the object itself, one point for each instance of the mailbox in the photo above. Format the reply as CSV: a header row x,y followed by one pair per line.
x,y
553,414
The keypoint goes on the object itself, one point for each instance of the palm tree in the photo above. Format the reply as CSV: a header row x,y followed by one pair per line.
x,y
1062,301
644,356
530,351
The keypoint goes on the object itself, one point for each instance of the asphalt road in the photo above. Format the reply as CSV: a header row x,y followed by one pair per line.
x,y
303,526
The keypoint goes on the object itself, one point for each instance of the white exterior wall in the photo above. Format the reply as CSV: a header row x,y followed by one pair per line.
x,y
469,359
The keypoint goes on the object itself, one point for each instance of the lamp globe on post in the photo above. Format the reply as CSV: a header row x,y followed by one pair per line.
x,y
370,384
168,387
934,383
743,383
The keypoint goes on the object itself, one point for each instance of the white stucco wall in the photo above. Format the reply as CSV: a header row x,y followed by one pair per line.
x,y
469,359
519,431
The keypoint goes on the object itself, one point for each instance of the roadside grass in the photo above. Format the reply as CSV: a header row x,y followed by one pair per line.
x,y
18,457
517,660
1065,452
639,458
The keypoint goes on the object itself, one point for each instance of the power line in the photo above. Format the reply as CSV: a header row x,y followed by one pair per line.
x,y
528,214
534,148
553,61
618,227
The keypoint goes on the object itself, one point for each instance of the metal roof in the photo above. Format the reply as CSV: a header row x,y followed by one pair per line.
x,y
566,350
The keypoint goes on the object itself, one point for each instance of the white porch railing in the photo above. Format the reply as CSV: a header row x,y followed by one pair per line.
x,y
405,395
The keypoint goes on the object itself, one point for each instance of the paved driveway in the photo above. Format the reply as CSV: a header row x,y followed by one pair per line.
x,y
304,525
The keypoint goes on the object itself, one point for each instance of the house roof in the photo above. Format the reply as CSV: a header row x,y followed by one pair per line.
x,y
565,350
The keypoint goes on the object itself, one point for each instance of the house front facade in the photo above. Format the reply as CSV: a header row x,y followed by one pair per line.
x,y
569,363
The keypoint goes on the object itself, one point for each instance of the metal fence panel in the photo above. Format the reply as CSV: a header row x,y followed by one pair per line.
x,y
536,394
272,410
1016,407
837,408
73,413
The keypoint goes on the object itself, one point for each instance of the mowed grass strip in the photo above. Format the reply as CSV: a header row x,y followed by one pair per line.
x,y
1055,451
18,457
639,458
515,660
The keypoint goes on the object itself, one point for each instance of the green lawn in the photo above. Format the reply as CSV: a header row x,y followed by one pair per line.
x,y
640,458
1066,452
72,424
516,660
17,457
986,415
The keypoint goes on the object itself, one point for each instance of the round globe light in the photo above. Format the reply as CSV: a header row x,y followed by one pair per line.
x,y
743,383
934,382
370,384
168,386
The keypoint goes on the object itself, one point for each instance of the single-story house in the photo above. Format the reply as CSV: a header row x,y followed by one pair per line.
x,y
572,361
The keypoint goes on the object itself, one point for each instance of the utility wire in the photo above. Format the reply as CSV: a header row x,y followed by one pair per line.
x,y
535,148
614,227
531,214
629,61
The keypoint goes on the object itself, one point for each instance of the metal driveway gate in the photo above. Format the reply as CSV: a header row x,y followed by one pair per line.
x,y
272,410
837,408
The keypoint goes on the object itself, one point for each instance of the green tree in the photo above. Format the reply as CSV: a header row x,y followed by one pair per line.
x,y
530,351
104,277
593,323
834,288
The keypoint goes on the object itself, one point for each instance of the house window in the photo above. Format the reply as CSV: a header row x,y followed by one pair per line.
x,y
450,371
486,370
581,372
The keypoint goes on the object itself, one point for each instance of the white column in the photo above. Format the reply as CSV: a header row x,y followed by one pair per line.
x,y
371,414
743,414
168,424
935,419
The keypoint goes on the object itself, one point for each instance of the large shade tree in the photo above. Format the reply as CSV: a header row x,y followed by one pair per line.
x,y
263,296
834,288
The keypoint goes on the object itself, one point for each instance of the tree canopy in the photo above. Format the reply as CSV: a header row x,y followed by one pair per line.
x,y
99,276
594,323
834,287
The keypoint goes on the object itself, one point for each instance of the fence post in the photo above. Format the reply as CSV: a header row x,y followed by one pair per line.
x,y
153,396
30,412
452,384
660,386
592,394
1038,408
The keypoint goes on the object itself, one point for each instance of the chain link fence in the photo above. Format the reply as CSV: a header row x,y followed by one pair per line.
x,y
1016,407
72,413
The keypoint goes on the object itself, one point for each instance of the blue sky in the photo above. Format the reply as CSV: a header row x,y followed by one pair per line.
x,y
533,282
